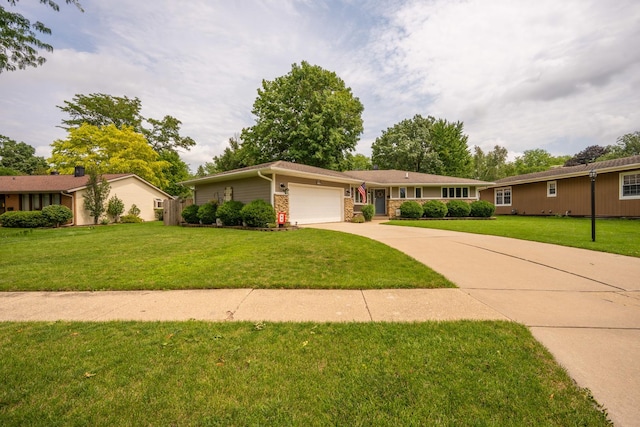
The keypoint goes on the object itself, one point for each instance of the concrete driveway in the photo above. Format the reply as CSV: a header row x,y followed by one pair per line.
x,y
584,306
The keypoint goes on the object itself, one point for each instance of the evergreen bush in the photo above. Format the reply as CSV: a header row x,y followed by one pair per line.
x,y
190,214
229,213
207,213
130,219
23,219
435,209
482,209
458,208
56,215
115,208
368,211
411,209
258,213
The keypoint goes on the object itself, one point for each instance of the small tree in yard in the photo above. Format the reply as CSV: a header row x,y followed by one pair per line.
x,y
115,208
96,195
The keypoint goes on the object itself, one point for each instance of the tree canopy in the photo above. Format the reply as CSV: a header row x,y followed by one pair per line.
x,y
307,116
537,160
21,157
108,149
423,144
492,165
627,145
19,42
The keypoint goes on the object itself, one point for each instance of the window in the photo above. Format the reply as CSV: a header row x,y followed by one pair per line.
x,y
357,196
403,192
157,203
630,185
55,199
455,192
503,196
418,192
46,200
552,189
24,203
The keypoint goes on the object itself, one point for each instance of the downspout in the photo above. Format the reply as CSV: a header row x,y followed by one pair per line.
x,y
272,189
73,207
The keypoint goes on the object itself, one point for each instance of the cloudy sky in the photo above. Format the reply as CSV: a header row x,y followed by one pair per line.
x,y
557,75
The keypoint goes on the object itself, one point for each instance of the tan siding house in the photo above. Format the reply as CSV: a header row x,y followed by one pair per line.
x,y
567,191
34,192
308,194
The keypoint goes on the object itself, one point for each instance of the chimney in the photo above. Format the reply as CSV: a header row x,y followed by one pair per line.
x,y
79,171
406,175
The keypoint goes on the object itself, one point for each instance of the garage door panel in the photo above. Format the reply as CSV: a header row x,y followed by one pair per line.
x,y
308,204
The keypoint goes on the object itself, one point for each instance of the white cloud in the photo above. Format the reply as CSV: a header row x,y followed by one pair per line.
x,y
556,75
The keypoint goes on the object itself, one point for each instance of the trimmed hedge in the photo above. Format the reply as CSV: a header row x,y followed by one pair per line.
x,y
368,211
482,209
130,219
207,213
229,213
411,209
56,215
458,208
190,214
258,214
23,219
435,209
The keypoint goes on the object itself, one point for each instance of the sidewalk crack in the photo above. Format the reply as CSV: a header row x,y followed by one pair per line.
x,y
366,305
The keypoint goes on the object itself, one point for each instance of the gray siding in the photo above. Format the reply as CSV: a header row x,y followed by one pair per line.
x,y
245,191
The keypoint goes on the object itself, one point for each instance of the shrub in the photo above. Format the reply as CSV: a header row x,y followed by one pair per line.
x,y
482,209
207,212
229,213
368,211
115,208
358,219
56,215
435,209
258,213
410,209
458,208
190,214
23,219
130,219
134,210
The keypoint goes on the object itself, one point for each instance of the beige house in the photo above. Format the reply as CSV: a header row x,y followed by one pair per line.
x,y
308,194
33,192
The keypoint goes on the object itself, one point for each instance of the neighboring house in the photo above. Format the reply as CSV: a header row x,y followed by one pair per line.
x,y
33,192
308,194
567,190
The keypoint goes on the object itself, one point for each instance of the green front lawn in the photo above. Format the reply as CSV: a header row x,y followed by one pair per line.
x,y
619,236
298,374
152,256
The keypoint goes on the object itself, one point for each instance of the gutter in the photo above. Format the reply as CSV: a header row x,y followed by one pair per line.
x,y
73,207
272,187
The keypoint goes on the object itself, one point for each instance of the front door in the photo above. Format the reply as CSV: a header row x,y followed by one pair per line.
x,y
380,201
2,206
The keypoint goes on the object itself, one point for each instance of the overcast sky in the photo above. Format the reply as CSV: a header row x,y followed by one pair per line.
x,y
557,75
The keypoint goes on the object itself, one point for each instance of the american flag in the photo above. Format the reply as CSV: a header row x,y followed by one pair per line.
x,y
363,192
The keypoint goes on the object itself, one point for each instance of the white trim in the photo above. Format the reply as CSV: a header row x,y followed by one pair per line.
x,y
554,185
621,178
502,189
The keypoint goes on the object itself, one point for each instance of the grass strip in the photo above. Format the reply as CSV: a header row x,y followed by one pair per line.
x,y
152,256
618,236
299,374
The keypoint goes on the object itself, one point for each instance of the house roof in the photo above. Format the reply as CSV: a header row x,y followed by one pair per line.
x,y
397,177
55,183
380,177
614,165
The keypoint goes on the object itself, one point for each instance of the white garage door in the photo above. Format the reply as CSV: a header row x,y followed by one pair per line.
x,y
310,204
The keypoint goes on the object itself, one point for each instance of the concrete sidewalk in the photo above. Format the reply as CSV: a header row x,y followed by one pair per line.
x,y
584,306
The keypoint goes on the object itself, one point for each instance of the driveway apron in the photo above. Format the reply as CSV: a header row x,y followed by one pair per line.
x,y
584,306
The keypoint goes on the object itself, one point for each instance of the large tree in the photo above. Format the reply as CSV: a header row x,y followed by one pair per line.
x,y
307,116
163,136
588,155
95,196
233,157
108,149
626,145
19,40
537,160
21,157
492,165
423,144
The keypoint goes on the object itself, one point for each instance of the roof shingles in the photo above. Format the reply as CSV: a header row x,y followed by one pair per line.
x,y
47,183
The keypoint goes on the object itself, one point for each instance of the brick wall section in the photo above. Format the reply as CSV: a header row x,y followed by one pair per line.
x,y
348,209
281,203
